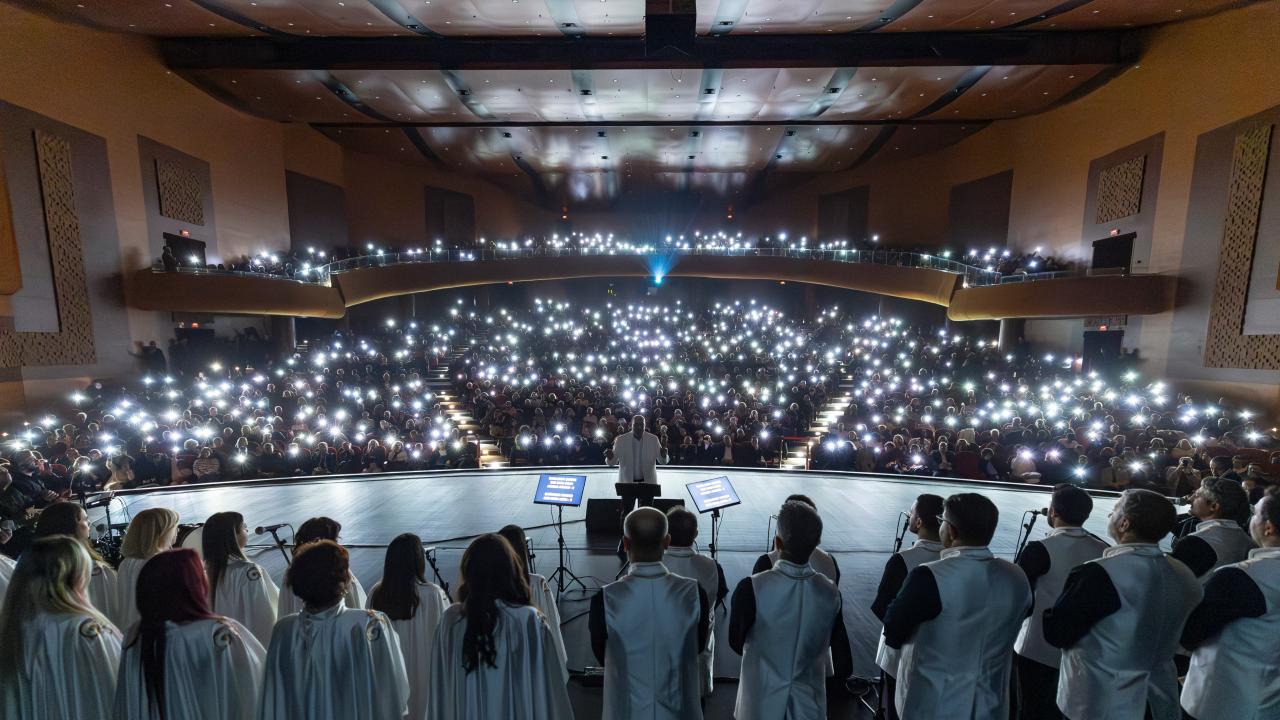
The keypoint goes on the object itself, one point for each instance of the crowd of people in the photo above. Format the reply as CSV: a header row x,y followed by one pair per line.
x,y
1085,628
313,264
735,383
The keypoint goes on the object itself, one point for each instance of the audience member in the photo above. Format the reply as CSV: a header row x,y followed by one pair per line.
x,y
783,623
414,606
494,656
648,630
328,661
181,660
956,619
1119,618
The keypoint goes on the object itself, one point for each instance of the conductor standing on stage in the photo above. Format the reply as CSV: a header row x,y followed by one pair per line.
x,y
637,454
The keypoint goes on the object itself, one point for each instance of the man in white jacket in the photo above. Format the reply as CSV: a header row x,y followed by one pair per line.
x,y
637,454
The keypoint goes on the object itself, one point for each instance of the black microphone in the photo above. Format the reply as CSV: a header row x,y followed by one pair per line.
x,y
1041,511
261,530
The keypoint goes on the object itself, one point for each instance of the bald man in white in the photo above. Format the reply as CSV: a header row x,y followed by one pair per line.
x,y
637,454
648,629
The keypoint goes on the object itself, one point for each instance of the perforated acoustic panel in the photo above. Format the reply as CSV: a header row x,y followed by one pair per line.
x,y
73,344
180,192
1120,189
1226,345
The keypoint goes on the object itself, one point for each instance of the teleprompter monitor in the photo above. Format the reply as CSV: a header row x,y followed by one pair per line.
x,y
558,489
714,494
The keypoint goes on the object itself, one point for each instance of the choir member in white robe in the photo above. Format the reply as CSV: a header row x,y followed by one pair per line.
x,y
181,660
648,629
494,656
68,518
684,561
317,528
329,662
540,594
782,623
59,655
238,588
414,607
151,532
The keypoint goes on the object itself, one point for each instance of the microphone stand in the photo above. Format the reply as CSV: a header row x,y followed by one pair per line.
x,y
280,545
902,532
1024,535
715,524
563,576
431,560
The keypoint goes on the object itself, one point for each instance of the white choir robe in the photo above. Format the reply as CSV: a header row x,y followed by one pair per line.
x,y
683,561
104,589
212,671
126,603
290,603
6,571
247,595
337,664
68,670
542,597
416,635
527,684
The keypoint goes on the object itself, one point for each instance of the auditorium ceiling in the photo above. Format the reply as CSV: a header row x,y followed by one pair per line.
x,y
578,102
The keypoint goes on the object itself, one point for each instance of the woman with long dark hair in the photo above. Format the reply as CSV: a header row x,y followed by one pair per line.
x,y
540,595
494,656
414,607
313,530
150,533
181,660
238,588
58,655
330,662
68,518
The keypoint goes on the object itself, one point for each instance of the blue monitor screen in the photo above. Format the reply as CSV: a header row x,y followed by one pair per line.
x,y
713,494
554,489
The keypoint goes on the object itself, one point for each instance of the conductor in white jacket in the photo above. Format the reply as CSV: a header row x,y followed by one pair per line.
x,y
637,454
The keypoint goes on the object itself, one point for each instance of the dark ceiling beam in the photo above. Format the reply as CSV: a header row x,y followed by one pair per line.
x,y
643,123
1102,47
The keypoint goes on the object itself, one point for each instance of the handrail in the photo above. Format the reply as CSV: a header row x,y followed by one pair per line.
x,y
974,276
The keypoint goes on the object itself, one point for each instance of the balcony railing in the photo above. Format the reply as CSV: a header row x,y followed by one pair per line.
x,y
974,276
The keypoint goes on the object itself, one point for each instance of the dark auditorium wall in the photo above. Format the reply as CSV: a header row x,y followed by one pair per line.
x,y
1193,78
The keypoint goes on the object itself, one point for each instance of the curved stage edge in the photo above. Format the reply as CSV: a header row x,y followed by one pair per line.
x,y
447,509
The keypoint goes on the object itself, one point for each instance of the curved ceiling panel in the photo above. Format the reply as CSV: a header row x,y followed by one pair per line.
x,y
284,95
893,93
1007,91
717,17
331,18
935,15
1127,13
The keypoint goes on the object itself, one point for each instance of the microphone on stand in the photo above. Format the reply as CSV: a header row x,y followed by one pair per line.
x,y
264,529
431,560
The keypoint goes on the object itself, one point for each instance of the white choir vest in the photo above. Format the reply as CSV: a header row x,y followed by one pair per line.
x,y
921,552
784,658
1229,542
1126,660
683,561
651,656
1236,675
957,665
1067,548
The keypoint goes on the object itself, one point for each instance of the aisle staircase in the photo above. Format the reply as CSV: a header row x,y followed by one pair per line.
x,y
826,417
437,380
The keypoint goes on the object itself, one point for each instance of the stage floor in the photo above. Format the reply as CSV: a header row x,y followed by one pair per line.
x,y
447,509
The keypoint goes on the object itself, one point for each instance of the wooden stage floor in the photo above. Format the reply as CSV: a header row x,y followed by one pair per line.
x,y
446,509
